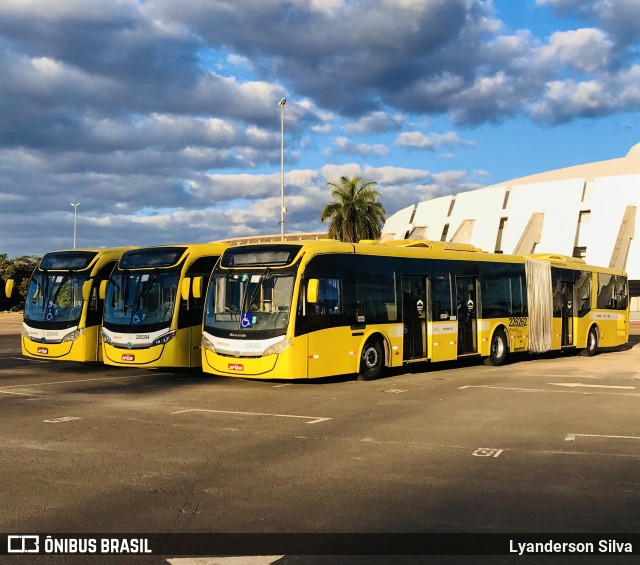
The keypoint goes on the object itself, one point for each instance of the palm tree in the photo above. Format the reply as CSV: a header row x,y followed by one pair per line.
x,y
355,212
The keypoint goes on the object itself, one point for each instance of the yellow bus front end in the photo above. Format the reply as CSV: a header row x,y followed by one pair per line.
x,y
75,344
63,309
154,304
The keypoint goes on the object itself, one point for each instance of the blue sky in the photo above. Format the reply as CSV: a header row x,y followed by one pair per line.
x,y
161,118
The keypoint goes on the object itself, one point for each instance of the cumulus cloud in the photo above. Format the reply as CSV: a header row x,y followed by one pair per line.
x,y
418,140
162,117
345,146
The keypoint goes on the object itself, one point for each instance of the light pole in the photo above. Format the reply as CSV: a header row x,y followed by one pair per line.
x,y
282,208
75,217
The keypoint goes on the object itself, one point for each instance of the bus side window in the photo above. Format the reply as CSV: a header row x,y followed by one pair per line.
x,y
583,288
442,305
329,301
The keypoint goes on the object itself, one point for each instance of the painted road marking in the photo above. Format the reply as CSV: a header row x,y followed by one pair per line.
x,y
248,560
548,390
396,390
62,419
87,380
312,419
487,452
17,393
27,359
573,385
572,437
280,386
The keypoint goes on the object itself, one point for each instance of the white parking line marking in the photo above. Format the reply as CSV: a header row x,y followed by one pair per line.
x,y
87,380
27,359
62,419
627,394
573,385
503,388
280,386
17,393
572,437
396,390
312,419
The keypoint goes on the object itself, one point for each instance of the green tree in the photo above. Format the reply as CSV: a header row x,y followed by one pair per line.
x,y
19,269
355,212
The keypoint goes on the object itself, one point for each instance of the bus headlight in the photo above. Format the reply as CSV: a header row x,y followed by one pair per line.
x,y
166,338
207,345
72,336
277,348
105,338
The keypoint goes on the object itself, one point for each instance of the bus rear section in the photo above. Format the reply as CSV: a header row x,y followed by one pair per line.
x,y
63,309
154,305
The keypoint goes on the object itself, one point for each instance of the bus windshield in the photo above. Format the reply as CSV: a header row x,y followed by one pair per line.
x,y
249,300
54,297
141,297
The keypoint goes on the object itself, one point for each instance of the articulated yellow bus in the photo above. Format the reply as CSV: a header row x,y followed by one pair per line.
x,y
320,308
154,304
63,310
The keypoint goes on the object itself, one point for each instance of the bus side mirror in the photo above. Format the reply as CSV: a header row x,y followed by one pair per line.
x,y
86,290
8,288
312,291
196,287
185,288
103,289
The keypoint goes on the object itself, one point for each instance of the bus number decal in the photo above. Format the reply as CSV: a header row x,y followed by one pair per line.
x,y
236,367
518,322
142,336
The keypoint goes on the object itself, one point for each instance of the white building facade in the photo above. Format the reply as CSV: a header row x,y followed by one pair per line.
x,y
586,211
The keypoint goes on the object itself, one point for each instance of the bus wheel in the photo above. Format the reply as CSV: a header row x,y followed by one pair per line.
x,y
499,349
592,343
372,361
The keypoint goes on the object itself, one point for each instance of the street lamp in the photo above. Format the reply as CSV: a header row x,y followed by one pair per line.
x,y
75,217
282,208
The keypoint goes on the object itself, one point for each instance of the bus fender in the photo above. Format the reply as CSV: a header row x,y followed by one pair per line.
x,y
385,344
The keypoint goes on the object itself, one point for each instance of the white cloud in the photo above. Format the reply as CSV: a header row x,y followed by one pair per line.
x,y
585,49
345,146
418,140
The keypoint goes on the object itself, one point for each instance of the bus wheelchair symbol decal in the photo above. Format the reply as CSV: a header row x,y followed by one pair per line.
x,y
246,320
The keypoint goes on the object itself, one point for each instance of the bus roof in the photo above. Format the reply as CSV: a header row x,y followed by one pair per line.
x,y
80,259
417,249
166,256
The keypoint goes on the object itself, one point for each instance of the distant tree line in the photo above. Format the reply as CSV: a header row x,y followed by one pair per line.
x,y
19,269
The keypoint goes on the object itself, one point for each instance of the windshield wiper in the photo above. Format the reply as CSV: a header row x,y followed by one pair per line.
x,y
146,287
263,277
45,290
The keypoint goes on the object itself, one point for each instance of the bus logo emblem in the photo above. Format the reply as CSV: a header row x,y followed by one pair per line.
x,y
236,367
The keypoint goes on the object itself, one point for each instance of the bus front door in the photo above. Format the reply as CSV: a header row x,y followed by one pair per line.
x,y
414,309
467,312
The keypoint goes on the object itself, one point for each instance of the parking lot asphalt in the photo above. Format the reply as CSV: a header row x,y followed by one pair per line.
x,y
547,444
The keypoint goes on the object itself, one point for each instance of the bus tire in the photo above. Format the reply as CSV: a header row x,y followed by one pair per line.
x,y
371,361
499,349
592,343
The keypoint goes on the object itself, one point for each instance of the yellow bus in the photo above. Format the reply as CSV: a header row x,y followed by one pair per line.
x,y
321,308
154,304
63,309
